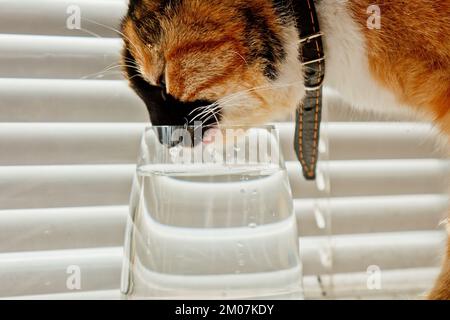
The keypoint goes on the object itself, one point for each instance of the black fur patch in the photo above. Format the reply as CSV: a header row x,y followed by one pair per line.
x,y
147,23
132,7
263,43
169,4
149,28
284,10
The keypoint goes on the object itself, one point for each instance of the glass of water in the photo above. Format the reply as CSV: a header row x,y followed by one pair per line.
x,y
211,217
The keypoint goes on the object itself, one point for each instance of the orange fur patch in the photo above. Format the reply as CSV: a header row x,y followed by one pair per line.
x,y
410,54
142,53
442,289
194,67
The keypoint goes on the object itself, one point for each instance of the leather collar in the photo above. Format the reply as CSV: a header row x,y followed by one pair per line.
x,y
309,114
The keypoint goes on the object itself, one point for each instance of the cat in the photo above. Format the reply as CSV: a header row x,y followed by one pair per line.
x,y
237,61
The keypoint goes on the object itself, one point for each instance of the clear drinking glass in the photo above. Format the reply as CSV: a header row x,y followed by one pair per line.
x,y
211,217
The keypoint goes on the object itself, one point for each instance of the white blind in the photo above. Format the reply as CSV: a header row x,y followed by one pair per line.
x,y
69,137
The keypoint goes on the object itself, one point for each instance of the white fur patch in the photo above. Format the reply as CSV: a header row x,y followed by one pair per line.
x,y
291,71
347,66
281,96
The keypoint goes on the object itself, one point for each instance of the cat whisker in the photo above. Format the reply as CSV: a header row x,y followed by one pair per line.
x,y
211,110
132,64
202,107
108,68
136,75
206,111
91,33
114,30
213,114
242,93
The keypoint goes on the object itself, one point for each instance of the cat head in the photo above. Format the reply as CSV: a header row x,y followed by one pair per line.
x,y
229,61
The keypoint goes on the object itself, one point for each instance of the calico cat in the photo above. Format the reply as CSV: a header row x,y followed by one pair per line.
x,y
237,61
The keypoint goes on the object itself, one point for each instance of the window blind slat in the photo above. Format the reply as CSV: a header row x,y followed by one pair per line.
x,y
68,100
42,272
379,140
77,295
25,56
49,17
352,215
62,228
64,186
373,177
92,185
66,143
353,253
399,284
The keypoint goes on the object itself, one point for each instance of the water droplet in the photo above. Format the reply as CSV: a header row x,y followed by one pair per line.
x,y
320,218
255,192
253,225
325,257
320,180
240,245
241,263
237,149
322,146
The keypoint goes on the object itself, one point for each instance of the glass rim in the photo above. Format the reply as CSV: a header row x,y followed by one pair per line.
x,y
264,126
